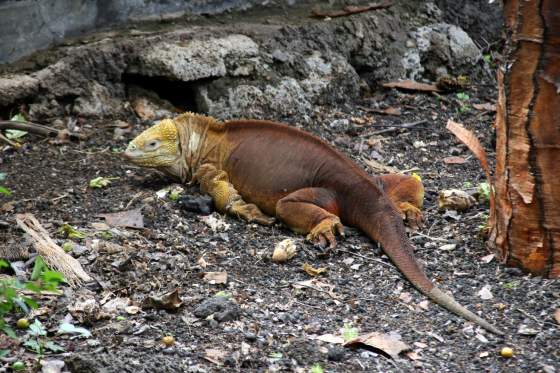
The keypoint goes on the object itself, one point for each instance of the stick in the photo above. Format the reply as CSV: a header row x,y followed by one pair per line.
x,y
349,10
38,129
395,127
53,254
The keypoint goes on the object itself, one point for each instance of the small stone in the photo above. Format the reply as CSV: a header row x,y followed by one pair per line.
x,y
251,337
335,353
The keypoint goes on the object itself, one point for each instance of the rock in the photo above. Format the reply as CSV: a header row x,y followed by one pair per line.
x,y
201,204
221,308
335,353
442,49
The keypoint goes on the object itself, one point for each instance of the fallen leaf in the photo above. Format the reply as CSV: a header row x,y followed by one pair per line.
x,y
387,111
215,223
487,106
132,310
311,271
128,219
215,356
455,199
67,328
487,258
168,301
484,354
116,305
412,355
526,330
284,251
215,277
51,366
101,182
317,285
424,305
387,343
202,262
448,247
557,315
485,292
420,344
454,160
380,168
411,85
405,297
330,338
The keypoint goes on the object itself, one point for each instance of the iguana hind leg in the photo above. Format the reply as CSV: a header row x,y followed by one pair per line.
x,y
216,183
407,194
312,211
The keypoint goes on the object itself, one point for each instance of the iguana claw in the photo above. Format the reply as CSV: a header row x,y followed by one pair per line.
x,y
323,234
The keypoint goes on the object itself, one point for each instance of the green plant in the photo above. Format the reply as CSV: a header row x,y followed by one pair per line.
x,y
5,191
316,368
69,231
101,182
11,299
483,190
37,340
349,333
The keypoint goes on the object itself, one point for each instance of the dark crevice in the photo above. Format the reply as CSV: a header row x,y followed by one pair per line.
x,y
179,93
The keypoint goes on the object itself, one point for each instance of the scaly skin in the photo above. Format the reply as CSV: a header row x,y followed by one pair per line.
x,y
260,170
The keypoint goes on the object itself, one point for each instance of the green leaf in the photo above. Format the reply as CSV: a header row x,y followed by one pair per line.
x,y
9,331
71,232
33,345
4,264
223,294
33,287
483,191
18,118
50,345
5,191
53,277
101,182
37,329
463,96
38,268
67,328
4,353
16,134
349,332
316,368
30,302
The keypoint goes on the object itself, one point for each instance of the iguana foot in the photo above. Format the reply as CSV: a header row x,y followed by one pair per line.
x,y
412,215
323,234
249,212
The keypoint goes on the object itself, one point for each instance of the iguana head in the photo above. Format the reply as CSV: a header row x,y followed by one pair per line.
x,y
156,147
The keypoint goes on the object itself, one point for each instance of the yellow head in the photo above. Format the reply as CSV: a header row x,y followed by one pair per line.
x,y
156,147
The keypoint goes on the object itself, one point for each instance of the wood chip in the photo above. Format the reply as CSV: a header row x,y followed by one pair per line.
x,y
454,160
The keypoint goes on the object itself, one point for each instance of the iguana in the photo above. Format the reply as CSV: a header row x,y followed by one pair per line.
x,y
261,170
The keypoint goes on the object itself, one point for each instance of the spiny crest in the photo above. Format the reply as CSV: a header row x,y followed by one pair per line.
x,y
164,130
190,118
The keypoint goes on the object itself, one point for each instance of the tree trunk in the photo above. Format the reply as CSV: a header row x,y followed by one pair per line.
x,y
526,219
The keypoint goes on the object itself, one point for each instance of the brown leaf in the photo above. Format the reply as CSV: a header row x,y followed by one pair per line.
x,y
168,301
487,106
469,139
387,343
411,85
380,168
129,218
330,338
215,356
455,199
454,160
215,277
311,271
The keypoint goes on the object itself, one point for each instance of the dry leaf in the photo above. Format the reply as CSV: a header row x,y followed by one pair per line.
x,y
116,305
132,310
202,262
454,160
487,106
330,338
215,223
317,285
405,297
455,199
424,305
411,85
215,277
215,356
485,292
412,355
380,168
387,343
168,301
557,315
311,271
387,111
488,258
469,139
284,251
129,219
51,366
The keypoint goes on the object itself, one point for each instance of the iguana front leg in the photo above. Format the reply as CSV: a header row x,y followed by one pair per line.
x,y
216,183
407,194
312,211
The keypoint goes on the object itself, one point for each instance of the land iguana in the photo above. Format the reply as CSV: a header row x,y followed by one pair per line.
x,y
261,170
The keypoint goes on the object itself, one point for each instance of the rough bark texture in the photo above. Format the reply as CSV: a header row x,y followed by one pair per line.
x,y
526,219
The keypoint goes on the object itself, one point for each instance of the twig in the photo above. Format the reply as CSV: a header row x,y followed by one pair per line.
x,y
39,129
395,127
9,142
430,237
540,322
349,10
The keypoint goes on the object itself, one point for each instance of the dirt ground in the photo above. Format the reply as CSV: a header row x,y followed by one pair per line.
x,y
276,322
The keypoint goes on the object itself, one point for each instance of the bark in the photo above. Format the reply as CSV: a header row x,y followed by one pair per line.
x,y
526,218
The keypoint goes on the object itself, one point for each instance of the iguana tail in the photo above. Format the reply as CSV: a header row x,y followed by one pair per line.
x,y
386,227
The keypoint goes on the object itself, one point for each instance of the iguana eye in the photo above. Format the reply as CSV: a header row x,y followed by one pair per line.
x,y
152,145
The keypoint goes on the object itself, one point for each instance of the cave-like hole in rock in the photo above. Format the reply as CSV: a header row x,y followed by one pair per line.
x,y
181,94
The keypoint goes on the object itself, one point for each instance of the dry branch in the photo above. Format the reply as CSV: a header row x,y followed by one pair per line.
x,y
39,129
348,10
52,254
